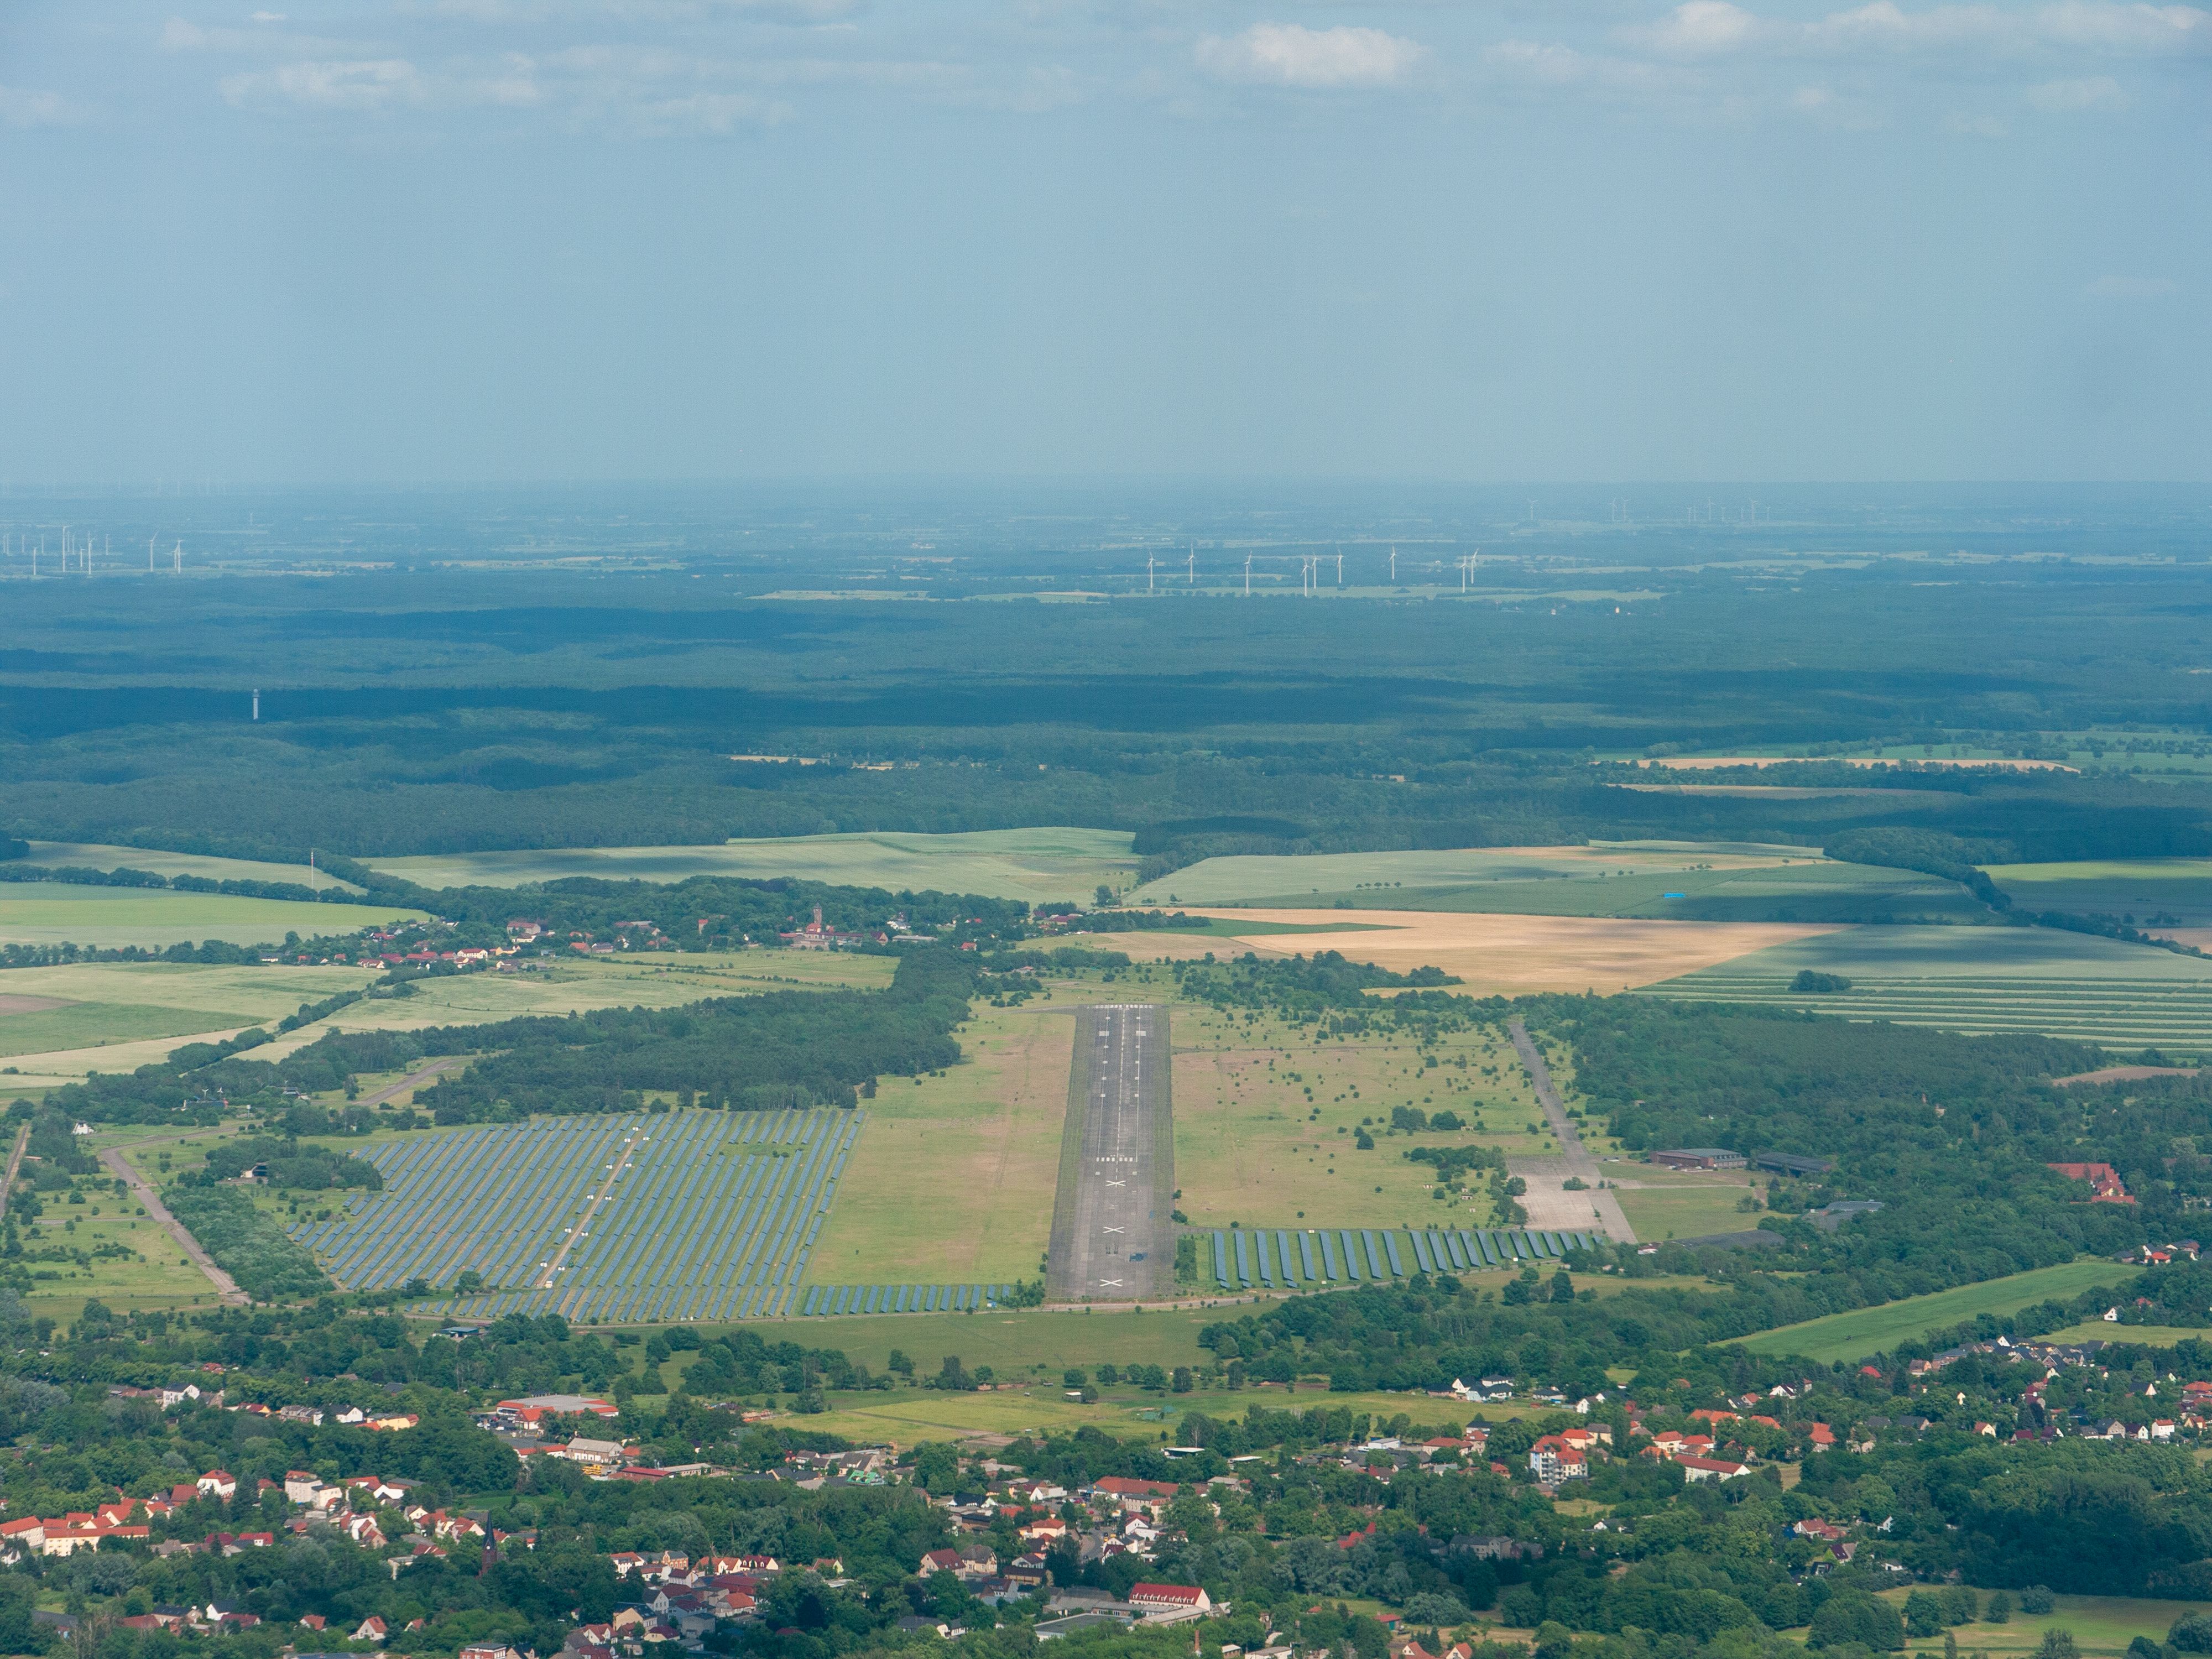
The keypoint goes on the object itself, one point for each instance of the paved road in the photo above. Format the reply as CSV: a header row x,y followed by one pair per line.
x,y
1575,1159
1111,1237
113,1158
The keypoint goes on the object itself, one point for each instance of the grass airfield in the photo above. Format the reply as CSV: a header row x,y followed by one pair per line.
x,y
952,1180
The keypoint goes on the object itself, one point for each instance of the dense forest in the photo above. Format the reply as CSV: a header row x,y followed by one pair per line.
x,y
430,713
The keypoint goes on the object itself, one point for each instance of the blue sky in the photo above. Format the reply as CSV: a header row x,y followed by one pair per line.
x,y
512,239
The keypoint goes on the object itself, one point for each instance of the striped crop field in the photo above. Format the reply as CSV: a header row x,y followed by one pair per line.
x,y
624,1219
1980,981
1281,1260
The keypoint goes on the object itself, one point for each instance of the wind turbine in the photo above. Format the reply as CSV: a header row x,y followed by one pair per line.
x,y
1394,567
1340,566
1193,564
1248,575
178,567
1149,562
149,555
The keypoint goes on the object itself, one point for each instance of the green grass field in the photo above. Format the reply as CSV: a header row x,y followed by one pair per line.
x,y
141,1269
2138,889
107,1031
1266,1123
96,1024
2149,1336
1039,864
1663,1204
1981,979
2099,1624
92,855
53,912
905,1416
1866,1331
952,1181
1386,880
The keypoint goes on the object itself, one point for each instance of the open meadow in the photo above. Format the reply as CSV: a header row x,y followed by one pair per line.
x,y
1865,1331
1272,882
1267,1121
1980,979
1689,882
2103,1625
1040,865
94,855
109,918
2156,895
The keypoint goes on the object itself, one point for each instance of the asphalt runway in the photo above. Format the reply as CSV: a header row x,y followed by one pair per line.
x,y
1112,1240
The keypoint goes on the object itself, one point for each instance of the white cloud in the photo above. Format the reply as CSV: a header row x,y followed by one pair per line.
x,y
2095,94
23,107
1292,55
712,115
361,84
2132,287
1542,63
1720,28
1702,28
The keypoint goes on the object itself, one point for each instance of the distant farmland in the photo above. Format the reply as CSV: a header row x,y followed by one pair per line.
x,y
56,913
1981,981
1039,864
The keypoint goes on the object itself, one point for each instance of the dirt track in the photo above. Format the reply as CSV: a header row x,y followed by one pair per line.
x,y
144,1190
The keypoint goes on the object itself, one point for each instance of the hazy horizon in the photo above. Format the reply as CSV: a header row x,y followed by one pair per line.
x,y
436,241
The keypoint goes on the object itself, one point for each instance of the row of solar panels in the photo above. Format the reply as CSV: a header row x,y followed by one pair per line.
x,y
1284,1261
698,1225
901,1299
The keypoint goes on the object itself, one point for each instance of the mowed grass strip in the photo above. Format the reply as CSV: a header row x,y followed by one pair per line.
x,y
54,912
952,1181
1660,1208
1865,1331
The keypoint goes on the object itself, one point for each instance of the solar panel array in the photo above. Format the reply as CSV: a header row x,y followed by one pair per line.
x,y
620,1219
901,1299
1282,1260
